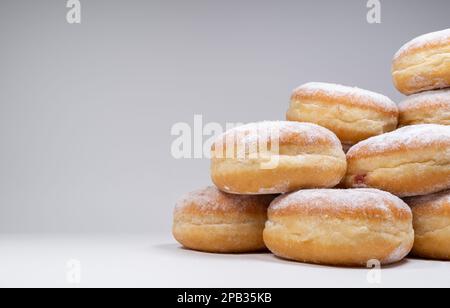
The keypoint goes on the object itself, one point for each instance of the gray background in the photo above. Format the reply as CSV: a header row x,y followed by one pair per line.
x,y
86,110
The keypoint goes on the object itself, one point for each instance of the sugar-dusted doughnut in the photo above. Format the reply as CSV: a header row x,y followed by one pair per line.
x,y
339,227
432,225
423,64
277,157
213,221
411,161
351,113
431,107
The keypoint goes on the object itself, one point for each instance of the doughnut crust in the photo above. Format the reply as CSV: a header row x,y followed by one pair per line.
x,y
352,114
423,64
213,221
426,108
411,161
432,225
339,227
277,157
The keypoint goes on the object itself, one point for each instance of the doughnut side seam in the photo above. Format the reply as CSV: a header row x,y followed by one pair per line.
x,y
365,109
430,162
429,60
397,234
433,231
221,224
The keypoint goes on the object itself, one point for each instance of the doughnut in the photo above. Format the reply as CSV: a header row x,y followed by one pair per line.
x,y
352,114
411,161
426,108
209,220
339,227
431,216
423,64
276,157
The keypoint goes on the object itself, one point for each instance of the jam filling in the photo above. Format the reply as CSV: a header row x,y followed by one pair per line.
x,y
360,179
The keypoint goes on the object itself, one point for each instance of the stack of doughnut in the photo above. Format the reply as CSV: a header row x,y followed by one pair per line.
x,y
349,178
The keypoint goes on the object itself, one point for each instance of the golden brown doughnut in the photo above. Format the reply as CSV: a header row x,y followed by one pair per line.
x,y
339,227
213,221
299,155
432,225
423,64
426,108
411,161
352,114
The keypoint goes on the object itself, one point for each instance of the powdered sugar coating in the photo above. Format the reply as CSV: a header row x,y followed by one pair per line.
x,y
435,201
357,95
398,254
427,99
282,131
429,39
415,136
352,200
211,199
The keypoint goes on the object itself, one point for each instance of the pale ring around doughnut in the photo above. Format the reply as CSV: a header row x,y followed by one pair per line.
x,y
209,220
353,114
432,225
340,227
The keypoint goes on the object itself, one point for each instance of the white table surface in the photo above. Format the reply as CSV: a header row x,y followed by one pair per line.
x,y
157,261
